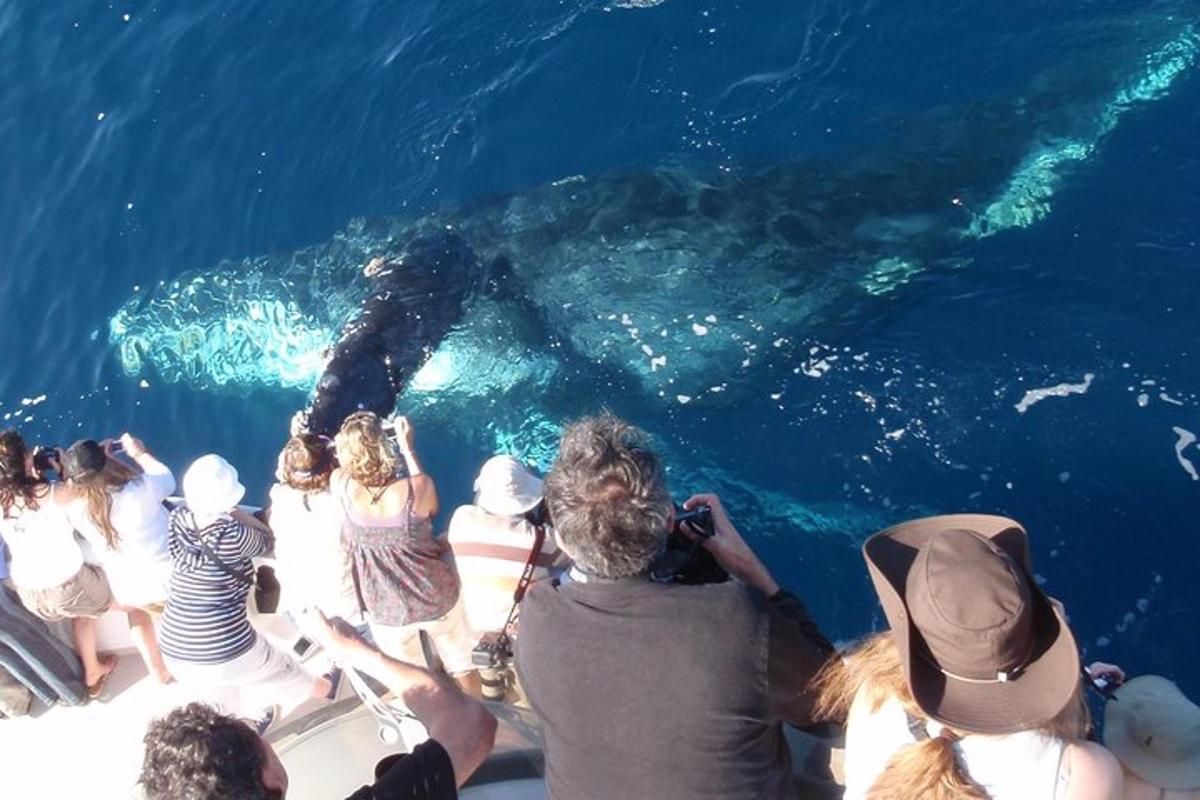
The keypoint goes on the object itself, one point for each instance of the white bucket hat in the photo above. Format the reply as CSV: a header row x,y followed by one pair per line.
x,y
211,486
506,487
1155,731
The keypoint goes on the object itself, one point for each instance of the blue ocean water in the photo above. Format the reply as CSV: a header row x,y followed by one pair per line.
x,y
821,250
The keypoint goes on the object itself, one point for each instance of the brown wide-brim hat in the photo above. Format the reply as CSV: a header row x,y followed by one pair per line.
x,y
1048,675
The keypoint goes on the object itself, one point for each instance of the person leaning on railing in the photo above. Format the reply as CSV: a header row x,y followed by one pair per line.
x,y
650,689
118,508
206,637
47,565
975,690
403,576
313,565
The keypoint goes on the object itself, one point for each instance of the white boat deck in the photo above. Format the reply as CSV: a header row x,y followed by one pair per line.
x,y
95,750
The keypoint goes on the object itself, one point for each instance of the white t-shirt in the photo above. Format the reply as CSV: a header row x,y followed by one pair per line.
x,y
314,566
139,567
491,552
42,543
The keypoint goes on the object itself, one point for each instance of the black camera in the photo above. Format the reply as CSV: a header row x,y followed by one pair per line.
x,y
493,656
493,651
684,559
46,459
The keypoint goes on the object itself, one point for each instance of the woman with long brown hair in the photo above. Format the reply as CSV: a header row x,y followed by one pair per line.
x,y
118,508
975,690
48,567
314,567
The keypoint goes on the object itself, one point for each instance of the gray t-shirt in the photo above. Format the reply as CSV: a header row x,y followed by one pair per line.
x,y
667,691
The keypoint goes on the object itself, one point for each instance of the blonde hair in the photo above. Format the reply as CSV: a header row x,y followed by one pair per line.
x,y
363,450
305,463
97,489
928,768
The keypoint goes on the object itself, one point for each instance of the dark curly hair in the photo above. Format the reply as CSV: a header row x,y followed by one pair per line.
x,y
196,753
17,486
607,494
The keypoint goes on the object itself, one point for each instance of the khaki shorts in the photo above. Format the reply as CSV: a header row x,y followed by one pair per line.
x,y
451,635
85,594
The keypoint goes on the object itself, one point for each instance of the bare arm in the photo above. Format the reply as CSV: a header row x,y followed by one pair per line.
x,y
462,726
730,549
425,501
154,469
1092,773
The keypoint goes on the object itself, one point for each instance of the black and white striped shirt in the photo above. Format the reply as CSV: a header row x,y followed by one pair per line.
x,y
205,620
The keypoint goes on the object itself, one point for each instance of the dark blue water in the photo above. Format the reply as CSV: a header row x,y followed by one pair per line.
x,y
848,146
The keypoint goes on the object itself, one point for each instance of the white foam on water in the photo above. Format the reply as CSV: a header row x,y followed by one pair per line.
x,y
1186,440
1061,390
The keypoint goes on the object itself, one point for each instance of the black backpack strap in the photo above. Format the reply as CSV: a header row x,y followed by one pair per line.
x,y
208,551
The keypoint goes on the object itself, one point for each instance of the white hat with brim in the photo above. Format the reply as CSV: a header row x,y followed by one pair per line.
x,y
506,487
211,486
1155,732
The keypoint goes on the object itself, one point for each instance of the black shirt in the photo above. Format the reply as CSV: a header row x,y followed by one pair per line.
x,y
424,774
661,691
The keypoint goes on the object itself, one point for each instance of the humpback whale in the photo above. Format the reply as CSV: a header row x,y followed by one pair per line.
x,y
673,284
414,300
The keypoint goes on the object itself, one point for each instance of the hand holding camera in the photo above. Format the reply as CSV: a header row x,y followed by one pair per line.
x,y
46,459
400,429
727,545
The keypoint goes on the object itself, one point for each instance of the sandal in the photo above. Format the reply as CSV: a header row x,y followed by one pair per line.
x,y
95,689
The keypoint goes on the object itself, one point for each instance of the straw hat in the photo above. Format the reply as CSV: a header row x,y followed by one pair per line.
x,y
983,648
1155,731
211,486
506,487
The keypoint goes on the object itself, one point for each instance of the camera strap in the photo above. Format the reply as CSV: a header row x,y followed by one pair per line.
x,y
539,537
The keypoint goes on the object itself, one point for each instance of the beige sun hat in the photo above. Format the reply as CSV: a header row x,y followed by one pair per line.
x,y
1155,731
211,486
506,487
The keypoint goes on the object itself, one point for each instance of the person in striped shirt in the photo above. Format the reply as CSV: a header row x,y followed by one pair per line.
x,y
206,637
492,538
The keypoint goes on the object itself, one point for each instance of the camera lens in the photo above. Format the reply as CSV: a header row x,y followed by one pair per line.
x,y
494,683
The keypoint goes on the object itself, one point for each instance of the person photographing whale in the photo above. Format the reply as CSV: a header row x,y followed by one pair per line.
x,y
415,298
648,686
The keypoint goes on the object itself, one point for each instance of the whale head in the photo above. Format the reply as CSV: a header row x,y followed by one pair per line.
x,y
350,383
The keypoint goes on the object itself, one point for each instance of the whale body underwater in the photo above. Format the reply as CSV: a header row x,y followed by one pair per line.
x,y
670,283
415,298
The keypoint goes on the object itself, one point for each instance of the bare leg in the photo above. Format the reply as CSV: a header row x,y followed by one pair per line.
x,y
141,629
321,687
470,683
85,641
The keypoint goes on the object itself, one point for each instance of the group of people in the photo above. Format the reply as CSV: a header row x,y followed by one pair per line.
x,y
645,686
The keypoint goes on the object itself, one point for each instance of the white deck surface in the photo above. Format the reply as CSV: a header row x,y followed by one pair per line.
x,y
95,750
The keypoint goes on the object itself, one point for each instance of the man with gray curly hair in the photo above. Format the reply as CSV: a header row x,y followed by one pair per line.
x,y
653,689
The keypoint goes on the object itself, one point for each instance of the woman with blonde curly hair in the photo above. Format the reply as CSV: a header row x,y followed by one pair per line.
x,y
975,690
404,578
314,568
